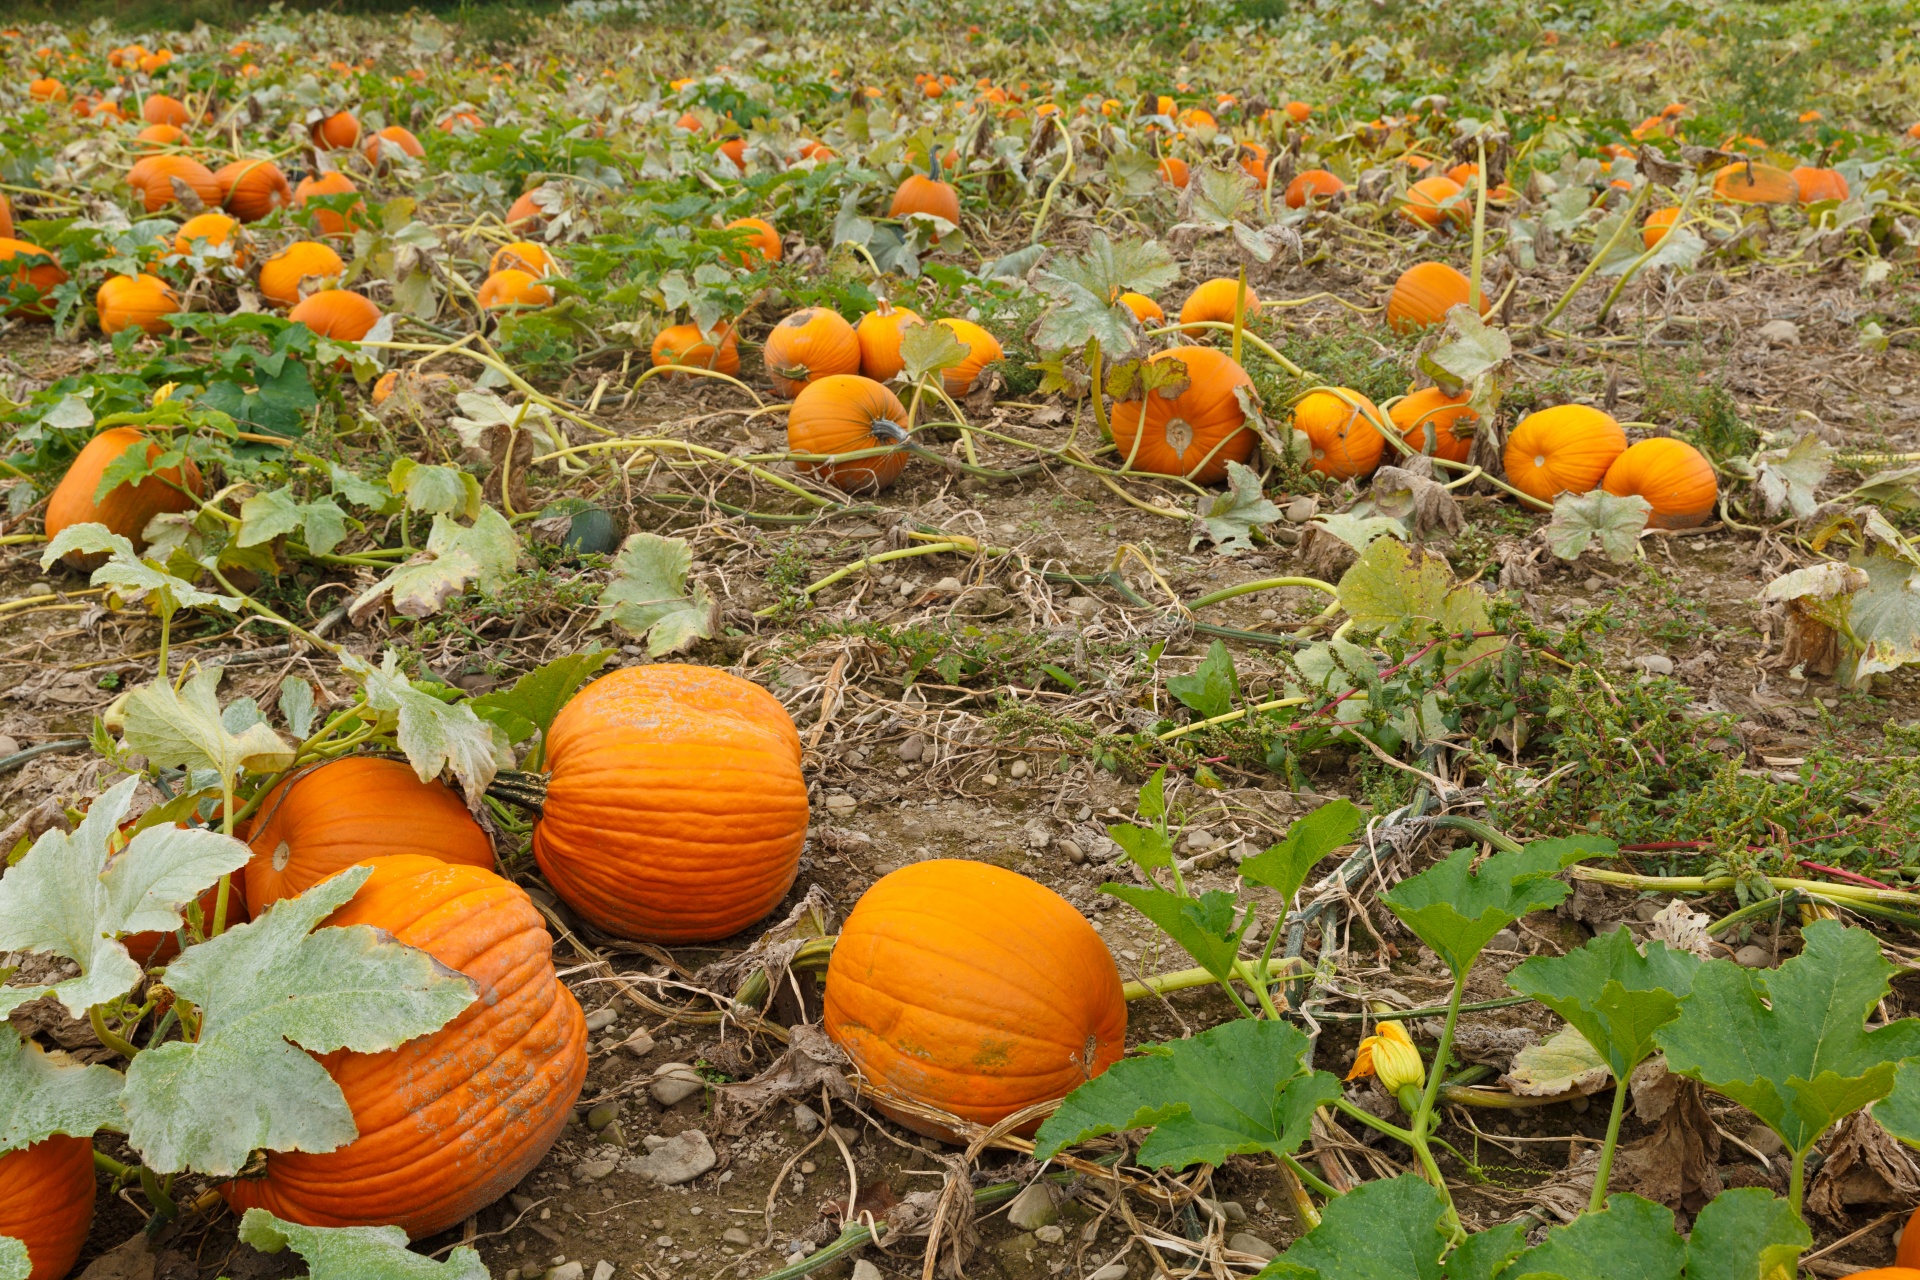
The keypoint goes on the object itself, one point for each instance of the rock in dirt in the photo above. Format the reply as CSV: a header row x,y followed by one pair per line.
x,y
1247,1242
594,1170
1654,664
132,1260
948,587
912,749
1075,854
603,1270
805,1118
1753,957
675,1082
568,1271
1779,333
603,1115
639,1044
1301,510
1035,1206
1049,1234
1084,607
864,1270
735,1236
841,805
601,1019
672,1161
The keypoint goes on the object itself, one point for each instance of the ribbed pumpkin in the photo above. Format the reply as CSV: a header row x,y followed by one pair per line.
x,y
763,244
452,1121
524,255
1175,172
347,811
1213,300
30,264
333,183
152,180
1314,184
879,333
972,989
809,344
982,350
845,413
46,1202
675,809
338,314
1144,309
280,275
338,132
1674,477
393,143
159,108
1745,183
1423,295
213,229
1815,185
1658,223
1195,433
126,508
513,288
1565,449
1426,198
684,344
252,189
925,193
1345,442
1432,411
142,301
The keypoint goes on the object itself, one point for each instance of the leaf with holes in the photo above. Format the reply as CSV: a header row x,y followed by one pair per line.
x,y
1789,477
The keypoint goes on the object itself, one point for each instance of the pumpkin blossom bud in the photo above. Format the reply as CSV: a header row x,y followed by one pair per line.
x,y
1389,1054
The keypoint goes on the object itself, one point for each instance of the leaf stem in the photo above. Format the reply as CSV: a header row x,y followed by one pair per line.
x,y
109,1038
1317,1184
1797,1184
1599,255
1599,1198
1095,369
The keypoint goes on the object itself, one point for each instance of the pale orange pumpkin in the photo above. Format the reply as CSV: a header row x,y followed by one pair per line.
x,y
142,301
338,132
811,343
393,143
879,333
337,314
1343,433
1314,184
280,275
846,413
1674,477
526,213
1657,225
684,344
157,136
1565,449
159,108
1144,309
1752,183
1194,432
983,349
1815,185
152,179
1175,173
212,229
1432,411
1423,295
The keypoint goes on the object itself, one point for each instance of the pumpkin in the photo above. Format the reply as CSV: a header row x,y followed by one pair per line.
x,y
46,89
842,414
393,143
1144,309
811,343
333,183
1194,433
524,255
141,301
338,132
161,109
155,136
1658,223
1426,200
1907,1254
764,243
152,179
6,217
1299,112
31,265
1253,162
513,288
1315,185
526,213
324,820
735,150
252,189
675,809
1674,477
1747,183
1887,1273
416,385
126,509
1565,449
211,229
280,275
46,1202
1344,438
1423,295
1431,409
926,193
971,989
453,1120
461,122
1815,185
1214,300
337,313
879,333
1175,173
684,344
1467,173
983,349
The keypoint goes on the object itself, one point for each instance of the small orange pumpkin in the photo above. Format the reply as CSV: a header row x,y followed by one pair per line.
x,y
513,288
1195,432
735,150
1674,477
1658,223
1315,185
461,122
526,213
1175,173
879,333
212,229
809,344
6,217
1431,410
252,189
1427,202
125,509
161,109
1565,449
24,263
338,314
764,243
153,179
142,301
926,193
1815,185
844,413
280,275
332,183
684,344
1214,300
338,132
983,349
1144,309
524,255
1423,295
46,89
1345,437
46,1202
155,136
393,143
1752,183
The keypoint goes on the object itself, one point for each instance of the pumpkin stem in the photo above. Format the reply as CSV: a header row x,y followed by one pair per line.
x,y
888,430
525,790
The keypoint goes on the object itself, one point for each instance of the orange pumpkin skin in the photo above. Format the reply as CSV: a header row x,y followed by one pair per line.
x,y
1888,1273
214,229
1213,300
524,255
1672,475
982,350
513,288
920,194
153,179
46,90
252,189
1755,184
338,132
30,264
162,109
810,344
1315,185
1194,434
1815,185
337,313
344,812
735,150
452,1121
327,184
839,414
972,989
126,508
764,243
675,810
1430,407
280,275
1345,440
142,301
156,136
391,141
879,333
1144,309
1423,295
1426,197
1565,449
526,214
683,344
6,217
46,1202
1907,1256
1658,223
1175,173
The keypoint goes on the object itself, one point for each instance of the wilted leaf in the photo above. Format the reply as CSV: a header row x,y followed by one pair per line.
x,y
183,727
1789,476
130,577
1228,519
434,735
1359,532
928,349
1474,348
434,489
1582,519
356,1253
1883,621
266,516
456,557
647,595
1564,1063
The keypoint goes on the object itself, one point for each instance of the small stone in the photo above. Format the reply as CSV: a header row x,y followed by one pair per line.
x,y
847,1135
681,1158
1593,583
1049,1234
594,1170
663,1242
1269,615
734,1235
991,780
840,805
1301,510
639,1044
614,1136
675,1082
1019,770
912,749
40,589
1038,837
1654,664
1247,1242
1084,607
568,1271
1505,940
1233,1210
1647,911
1287,537
808,1167
8,745
948,587
603,1270
1779,333
603,1115
805,1118
1764,1140
1035,1206
864,1270
1200,841
1753,957
1112,1271
602,1018
1075,854
520,1203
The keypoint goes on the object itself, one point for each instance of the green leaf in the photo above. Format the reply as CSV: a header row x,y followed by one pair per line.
x,y
67,898
1631,1239
1611,993
266,516
1883,618
349,485
1581,520
435,490
1204,926
1485,1254
296,705
1086,288
183,727
536,697
1387,1229
1212,687
1144,846
262,989
456,557
130,577
1790,476
42,1094
1228,519
1456,909
1387,590
1238,1088
927,349
1899,1112
1746,1234
1283,866
1474,348
1360,532
14,1262
648,596
356,1253
1790,1044
434,735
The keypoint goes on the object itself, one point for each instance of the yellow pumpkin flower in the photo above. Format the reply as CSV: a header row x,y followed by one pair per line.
x,y
1389,1054
166,389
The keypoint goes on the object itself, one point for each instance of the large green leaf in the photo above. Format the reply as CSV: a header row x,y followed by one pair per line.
x,y
1746,1234
1611,993
536,697
184,727
1631,1239
131,577
1582,520
42,1094
1204,927
356,1253
1388,1229
1228,518
1456,908
1284,865
14,1262
266,516
1899,1112
455,558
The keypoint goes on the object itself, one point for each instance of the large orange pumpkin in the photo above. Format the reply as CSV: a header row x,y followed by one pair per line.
x,y
879,333
675,809
322,822
280,275
152,179
30,265
1423,295
1344,437
982,350
1195,433
526,213
1746,183
393,143
524,255
1565,449
1214,300
332,183
1427,202
156,136
684,344
126,508
142,301
972,989
1431,410
159,108
845,413
212,229
454,1120
811,343
763,243
1315,185
46,1202
1674,477
337,313
252,189
46,89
